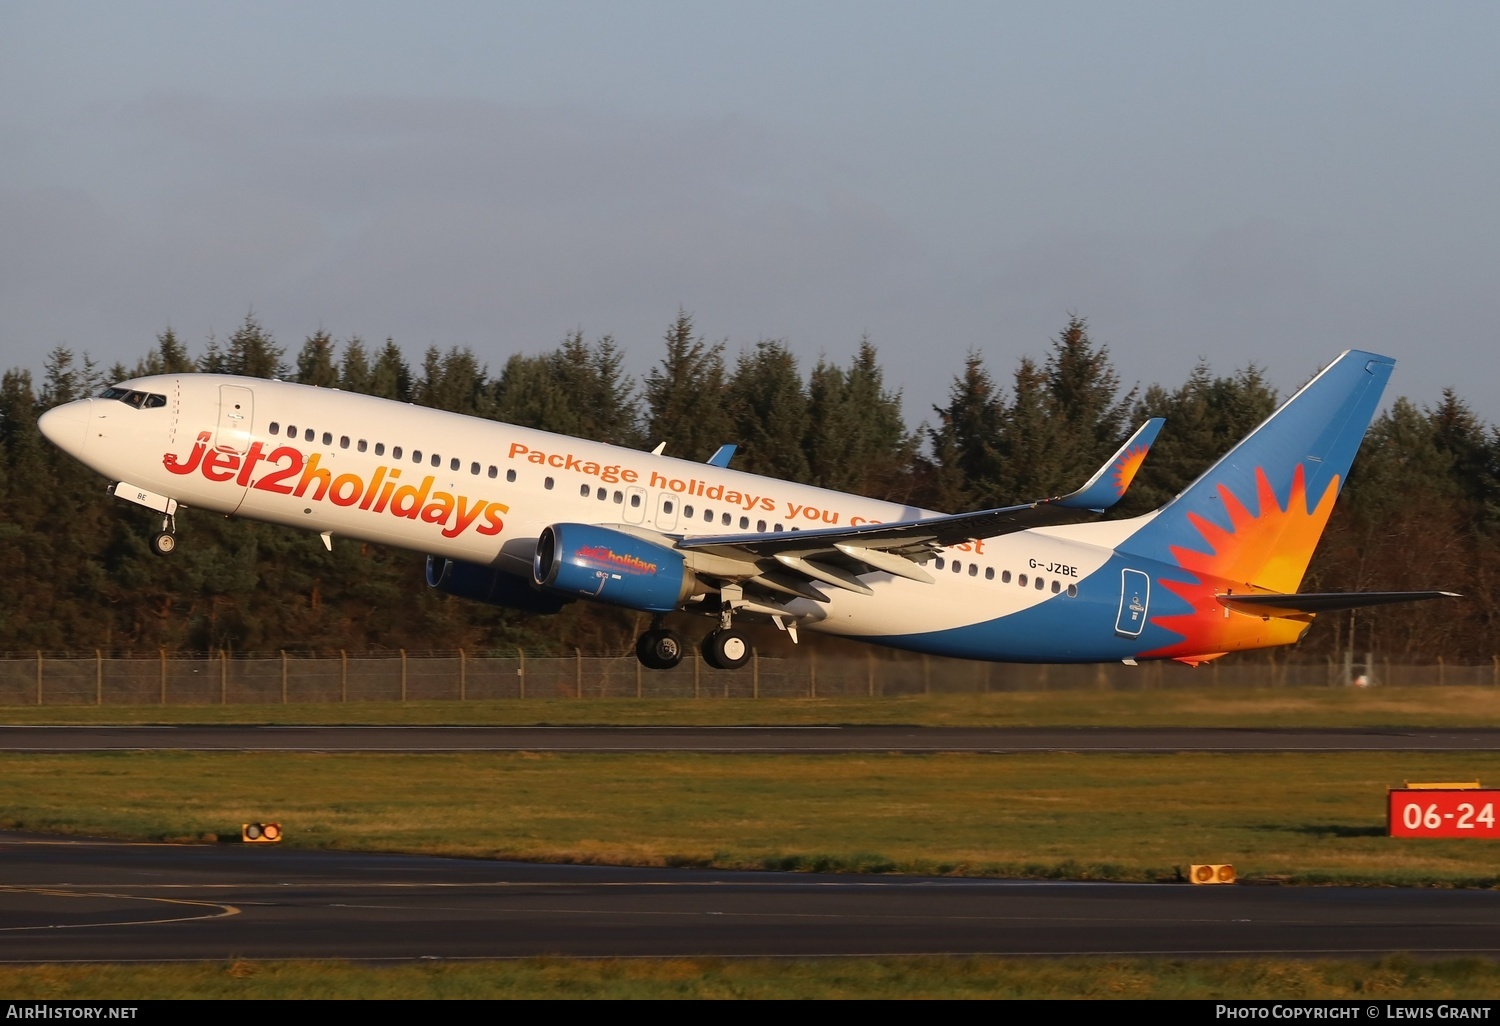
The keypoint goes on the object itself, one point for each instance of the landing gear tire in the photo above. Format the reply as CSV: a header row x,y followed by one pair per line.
x,y
659,649
163,544
726,649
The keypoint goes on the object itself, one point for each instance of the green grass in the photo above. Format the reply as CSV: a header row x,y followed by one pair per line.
x,y
1207,707
1305,818
888,978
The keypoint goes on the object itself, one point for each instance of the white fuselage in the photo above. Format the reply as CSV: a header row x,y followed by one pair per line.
x,y
481,492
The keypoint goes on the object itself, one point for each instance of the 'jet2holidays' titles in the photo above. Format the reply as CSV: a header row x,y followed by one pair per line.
x,y
456,513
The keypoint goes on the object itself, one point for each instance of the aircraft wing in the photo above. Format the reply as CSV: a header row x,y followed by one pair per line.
x,y
835,555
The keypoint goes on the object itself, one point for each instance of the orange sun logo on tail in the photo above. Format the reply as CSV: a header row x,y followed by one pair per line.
x,y
1267,551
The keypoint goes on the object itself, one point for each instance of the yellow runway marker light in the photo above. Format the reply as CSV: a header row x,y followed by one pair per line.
x,y
1211,874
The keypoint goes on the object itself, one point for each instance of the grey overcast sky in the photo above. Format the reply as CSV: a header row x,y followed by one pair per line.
x,y
1263,183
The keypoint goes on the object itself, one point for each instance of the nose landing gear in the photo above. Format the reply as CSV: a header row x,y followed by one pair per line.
x,y
164,542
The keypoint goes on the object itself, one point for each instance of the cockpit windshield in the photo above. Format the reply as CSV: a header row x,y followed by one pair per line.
x,y
139,400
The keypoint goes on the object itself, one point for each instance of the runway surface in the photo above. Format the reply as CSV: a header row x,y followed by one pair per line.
x,y
814,739
72,900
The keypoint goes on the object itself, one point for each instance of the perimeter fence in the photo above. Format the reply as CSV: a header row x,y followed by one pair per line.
x,y
284,678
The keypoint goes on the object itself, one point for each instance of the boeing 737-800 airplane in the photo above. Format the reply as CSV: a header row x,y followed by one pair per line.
x,y
532,520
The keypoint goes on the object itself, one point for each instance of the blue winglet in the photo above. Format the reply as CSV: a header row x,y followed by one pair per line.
x,y
722,456
1107,487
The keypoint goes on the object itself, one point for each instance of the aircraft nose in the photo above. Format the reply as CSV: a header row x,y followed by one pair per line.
x,y
66,426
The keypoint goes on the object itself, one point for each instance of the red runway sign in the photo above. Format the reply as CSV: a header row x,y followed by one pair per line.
x,y
1432,813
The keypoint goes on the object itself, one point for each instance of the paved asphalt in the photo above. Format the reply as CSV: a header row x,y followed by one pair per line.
x,y
816,739
70,899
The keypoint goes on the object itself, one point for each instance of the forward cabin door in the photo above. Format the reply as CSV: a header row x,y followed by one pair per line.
x,y
235,430
236,409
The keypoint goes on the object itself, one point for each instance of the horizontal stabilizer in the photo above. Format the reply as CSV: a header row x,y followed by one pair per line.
x,y
1323,602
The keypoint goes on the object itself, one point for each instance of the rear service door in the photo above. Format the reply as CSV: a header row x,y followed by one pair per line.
x,y
1135,596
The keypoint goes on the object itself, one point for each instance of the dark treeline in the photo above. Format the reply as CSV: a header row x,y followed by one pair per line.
x,y
1422,508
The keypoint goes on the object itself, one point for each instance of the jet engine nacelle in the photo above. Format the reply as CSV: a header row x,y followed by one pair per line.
x,y
611,566
489,584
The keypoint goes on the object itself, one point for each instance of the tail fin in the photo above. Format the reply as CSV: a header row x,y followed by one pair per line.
x,y
1255,516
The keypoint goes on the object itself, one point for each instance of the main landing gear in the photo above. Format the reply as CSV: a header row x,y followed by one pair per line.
x,y
659,648
726,649
723,649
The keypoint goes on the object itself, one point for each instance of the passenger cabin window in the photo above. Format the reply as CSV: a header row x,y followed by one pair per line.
x,y
416,455
395,452
547,484
274,427
344,442
584,490
510,475
363,445
327,437
454,464
291,431
437,460
308,435
379,448
474,469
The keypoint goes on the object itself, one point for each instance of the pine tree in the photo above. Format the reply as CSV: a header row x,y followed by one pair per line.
x,y
768,403
169,357
253,352
391,377
315,364
354,370
966,444
858,441
685,399
592,383
66,380
453,381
